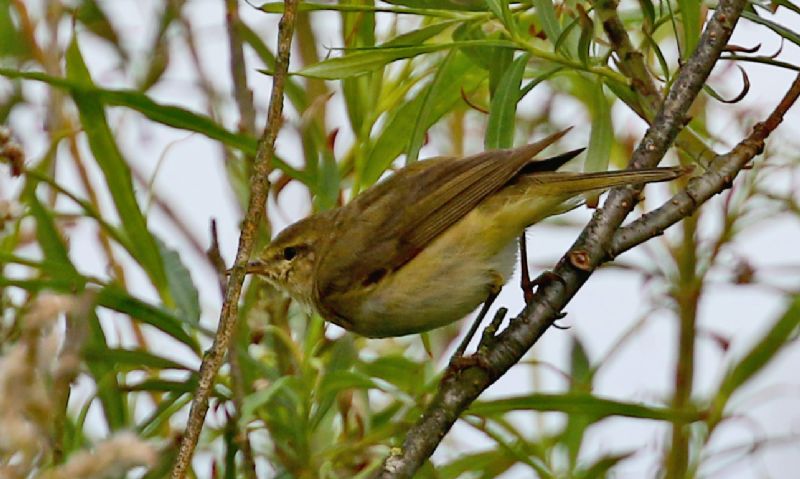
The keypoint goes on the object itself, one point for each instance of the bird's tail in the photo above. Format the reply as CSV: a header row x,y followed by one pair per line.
x,y
570,183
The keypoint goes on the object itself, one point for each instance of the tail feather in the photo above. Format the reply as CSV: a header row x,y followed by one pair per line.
x,y
568,183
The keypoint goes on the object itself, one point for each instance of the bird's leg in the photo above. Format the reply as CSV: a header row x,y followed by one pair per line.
x,y
494,291
525,283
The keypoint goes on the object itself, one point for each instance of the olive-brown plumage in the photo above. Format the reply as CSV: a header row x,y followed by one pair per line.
x,y
426,246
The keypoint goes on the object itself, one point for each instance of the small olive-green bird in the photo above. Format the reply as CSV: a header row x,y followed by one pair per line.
x,y
426,246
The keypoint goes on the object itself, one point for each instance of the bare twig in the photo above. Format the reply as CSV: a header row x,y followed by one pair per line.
x,y
700,188
456,392
259,187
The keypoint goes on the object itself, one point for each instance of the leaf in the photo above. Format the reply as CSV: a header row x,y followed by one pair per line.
x,y
131,359
581,373
787,4
784,32
395,135
49,240
690,18
181,286
255,401
586,38
116,173
114,404
169,115
648,13
601,466
395,370
364,61
416,8
759,355
500,9
10,43
461,5
360,92
437,88
94,18
294,91
581,403
419,36
112,297
503,110
601,139
547,15
163,385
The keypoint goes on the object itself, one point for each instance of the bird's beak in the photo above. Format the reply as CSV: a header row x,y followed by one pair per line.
x,y
253,267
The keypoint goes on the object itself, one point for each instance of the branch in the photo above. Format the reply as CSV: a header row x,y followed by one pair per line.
x,y
457,391
259,187
700,189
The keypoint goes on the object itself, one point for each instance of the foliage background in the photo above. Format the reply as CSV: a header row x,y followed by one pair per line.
x,y
117,351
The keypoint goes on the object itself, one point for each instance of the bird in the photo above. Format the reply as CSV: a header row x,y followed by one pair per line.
x,y
427,245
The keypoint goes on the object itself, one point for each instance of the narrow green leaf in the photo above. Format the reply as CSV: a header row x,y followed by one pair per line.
x,y
500,9
114,404
10,43
649,14
581,403
546,12
414,8
602,466
784,32
419,36
170,115
327,191
294,91
690,18
360,92
759,355
460,5
131,359
438,87
112,297
394,370
601,140
787,4
163,385
116,173
49,240
255,401
499,62
539,79
586,38
581,372
364,61
181,286
94,18
503,110
394,137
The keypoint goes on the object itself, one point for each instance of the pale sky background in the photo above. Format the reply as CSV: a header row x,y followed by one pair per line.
x,y
192,179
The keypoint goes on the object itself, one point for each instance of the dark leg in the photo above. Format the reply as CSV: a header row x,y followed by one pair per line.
x,y
475,325
526,284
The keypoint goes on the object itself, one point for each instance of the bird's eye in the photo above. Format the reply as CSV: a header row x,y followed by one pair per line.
x,y
289,253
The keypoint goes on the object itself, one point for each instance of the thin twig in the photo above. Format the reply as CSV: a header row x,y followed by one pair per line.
x,y
719,175
456,392
259,187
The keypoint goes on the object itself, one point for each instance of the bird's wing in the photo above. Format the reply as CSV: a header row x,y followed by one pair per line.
x,y
379,233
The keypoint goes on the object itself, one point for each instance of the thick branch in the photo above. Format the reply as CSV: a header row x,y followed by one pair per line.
x,y
259,188
457,391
